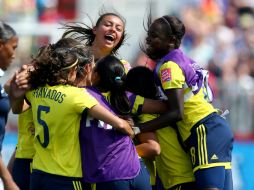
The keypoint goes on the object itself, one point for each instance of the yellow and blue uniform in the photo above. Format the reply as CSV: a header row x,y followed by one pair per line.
x,y
25,146
56,114
206,134
24,151
150,164
195,106
173,165
147,164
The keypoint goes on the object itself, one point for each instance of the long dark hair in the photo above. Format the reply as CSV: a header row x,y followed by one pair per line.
x,y
112,78
54,61
84,32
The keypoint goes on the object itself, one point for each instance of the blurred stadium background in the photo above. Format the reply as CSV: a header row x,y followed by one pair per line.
x,y
220,37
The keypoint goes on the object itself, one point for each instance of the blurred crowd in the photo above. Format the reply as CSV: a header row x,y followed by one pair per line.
x,y
220,37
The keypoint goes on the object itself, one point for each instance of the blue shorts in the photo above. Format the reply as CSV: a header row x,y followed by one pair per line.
x,y
210,146
45,181
140,182
184,186
218,177
21,172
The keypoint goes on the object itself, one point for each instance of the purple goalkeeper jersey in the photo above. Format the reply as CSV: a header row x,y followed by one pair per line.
x,y
195,76
106,153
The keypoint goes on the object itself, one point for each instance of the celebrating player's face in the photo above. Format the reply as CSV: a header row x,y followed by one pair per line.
x,y
109,32
157,41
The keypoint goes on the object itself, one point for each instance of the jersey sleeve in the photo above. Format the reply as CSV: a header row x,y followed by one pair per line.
x,y
137,104
126,64
28,96
147,117
171,76
82,100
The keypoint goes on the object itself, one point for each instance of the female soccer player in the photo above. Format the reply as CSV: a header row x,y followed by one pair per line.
x,y
21,162
206,134
109,158
105,38
173,164
57,107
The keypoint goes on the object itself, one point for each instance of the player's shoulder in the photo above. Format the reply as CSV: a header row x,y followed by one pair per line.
x,y
126,64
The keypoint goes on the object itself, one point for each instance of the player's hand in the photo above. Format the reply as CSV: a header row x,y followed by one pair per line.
x,y
16,89
22,76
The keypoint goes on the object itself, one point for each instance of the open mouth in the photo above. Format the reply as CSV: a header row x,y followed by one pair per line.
x,y
110,38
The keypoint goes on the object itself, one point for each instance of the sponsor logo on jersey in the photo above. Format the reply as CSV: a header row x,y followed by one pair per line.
x,y
165,75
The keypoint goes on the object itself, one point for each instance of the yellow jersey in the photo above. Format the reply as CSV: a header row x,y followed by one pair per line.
x,y
25,147
56,114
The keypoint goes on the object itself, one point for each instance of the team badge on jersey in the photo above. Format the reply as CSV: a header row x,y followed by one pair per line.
x,y
166,75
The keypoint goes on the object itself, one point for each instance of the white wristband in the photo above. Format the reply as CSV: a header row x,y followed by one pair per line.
x,y
136,130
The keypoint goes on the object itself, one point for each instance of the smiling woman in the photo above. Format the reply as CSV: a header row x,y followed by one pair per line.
x,y
204,132
105,37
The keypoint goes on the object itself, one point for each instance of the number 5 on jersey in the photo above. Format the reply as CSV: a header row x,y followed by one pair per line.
x,y
44,125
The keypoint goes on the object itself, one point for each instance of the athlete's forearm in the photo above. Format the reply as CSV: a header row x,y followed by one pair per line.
x,y
101,113
11,162
149,146
17,95
8,182
154,106
148,150
164,120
